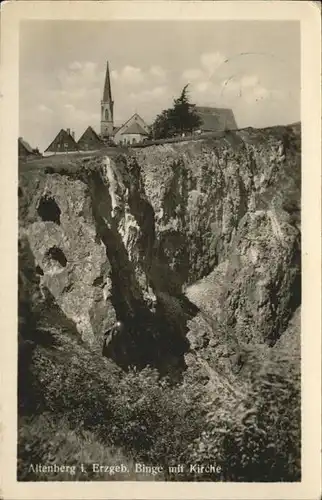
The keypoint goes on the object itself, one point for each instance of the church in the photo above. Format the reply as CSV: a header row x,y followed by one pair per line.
x,y
134,130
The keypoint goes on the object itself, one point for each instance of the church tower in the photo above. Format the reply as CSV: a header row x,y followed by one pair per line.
x,y
107,108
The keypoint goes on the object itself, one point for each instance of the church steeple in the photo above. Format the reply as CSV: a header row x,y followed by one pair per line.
x,y
107,94
107,104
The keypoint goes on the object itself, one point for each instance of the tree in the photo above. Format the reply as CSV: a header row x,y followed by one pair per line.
x,y
183,114
181,118
162,126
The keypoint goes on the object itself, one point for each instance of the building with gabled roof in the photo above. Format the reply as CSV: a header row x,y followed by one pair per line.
x,y
90,140
215,119
64,142
134,130
25,150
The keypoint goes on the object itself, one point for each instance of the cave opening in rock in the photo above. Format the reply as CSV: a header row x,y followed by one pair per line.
x,y
48,210
39,271
57,255
150,338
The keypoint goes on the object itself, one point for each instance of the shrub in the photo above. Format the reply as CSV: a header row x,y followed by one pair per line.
x,y
42,441
155,419
146,416
253,433
257,437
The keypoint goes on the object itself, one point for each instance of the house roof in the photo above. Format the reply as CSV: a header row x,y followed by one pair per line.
x,y
216,118
135,128
25,145
63,136
89,134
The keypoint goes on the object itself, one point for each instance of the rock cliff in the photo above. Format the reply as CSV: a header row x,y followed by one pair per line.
x,y
195,246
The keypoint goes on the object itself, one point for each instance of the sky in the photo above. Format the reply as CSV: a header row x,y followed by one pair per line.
x,y
252,67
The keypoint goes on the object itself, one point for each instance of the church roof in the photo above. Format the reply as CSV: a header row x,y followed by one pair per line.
x,y
214,119
107,93
135,128
122,129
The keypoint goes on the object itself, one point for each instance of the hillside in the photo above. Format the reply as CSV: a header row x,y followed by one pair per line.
x,y
195,247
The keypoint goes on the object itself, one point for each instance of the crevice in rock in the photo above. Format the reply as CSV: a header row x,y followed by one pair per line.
x,y
294,298
98,281
160,273
57,255
68,288
243,206
176,198
49,210
148,338
39,271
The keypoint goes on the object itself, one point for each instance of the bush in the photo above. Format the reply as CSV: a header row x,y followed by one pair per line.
x,y
42,441
155,419
146,416
257,437
253,434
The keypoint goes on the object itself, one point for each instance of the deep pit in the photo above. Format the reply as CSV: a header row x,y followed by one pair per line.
x,y
195,247
156,221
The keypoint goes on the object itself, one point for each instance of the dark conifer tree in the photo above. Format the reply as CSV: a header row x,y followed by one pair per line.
x,y
181,118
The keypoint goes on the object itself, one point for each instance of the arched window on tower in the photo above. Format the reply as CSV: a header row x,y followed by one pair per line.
x,y
106,114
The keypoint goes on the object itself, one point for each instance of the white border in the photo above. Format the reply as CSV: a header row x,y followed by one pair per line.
x,y
309,15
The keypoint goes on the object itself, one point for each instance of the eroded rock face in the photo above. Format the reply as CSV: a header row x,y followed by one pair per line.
x,y
122,238
263,287
236,200
91,234
61,232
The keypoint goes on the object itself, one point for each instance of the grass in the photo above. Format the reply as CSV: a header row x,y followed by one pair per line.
x,y
69,160
57,446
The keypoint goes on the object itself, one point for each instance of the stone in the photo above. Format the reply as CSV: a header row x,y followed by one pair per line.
x,y
133,237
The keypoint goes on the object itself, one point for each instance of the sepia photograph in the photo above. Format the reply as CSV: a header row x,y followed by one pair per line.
x,y
160,263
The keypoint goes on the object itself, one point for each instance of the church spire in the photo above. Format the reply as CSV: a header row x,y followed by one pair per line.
x,y
107,121
107,94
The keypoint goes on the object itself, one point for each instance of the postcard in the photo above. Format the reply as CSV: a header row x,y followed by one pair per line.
x,y
161,251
